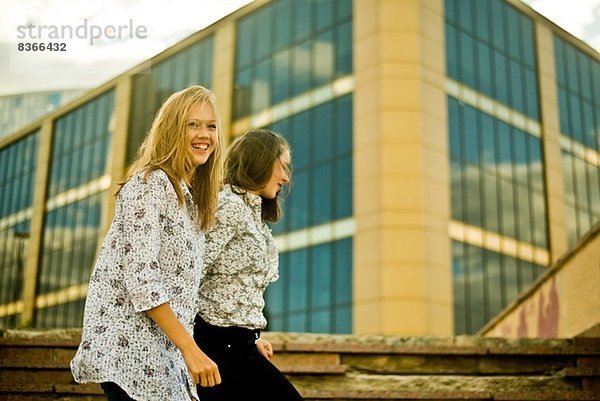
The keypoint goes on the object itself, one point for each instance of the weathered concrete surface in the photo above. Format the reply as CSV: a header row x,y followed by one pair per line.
x,y
346,367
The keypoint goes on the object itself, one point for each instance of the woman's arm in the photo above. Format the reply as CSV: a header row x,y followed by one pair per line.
x,y
202,369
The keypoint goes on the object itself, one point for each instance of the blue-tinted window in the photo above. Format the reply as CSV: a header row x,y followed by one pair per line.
x,y
263,33
307,44
496,175
281,76
484,283
323,135
343,184
68,314
69,147
323,58
314,290
302,19
299,140
283,32
321,142
452,55
579,115
301,68
343,36
323,13
17,174
244,48
261,88
14,241
296,210
465,15
322,203
489,47
70,240
467,59
482,21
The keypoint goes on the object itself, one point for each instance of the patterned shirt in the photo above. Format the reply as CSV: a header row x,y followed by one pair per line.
x,y
152,254
240,261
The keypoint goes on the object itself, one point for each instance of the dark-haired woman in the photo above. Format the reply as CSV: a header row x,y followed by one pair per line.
x,y
240,261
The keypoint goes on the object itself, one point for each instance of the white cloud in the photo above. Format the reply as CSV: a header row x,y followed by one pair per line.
x,y
581,18
87,65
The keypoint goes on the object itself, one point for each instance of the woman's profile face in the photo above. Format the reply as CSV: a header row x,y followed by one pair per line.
x,y
279,177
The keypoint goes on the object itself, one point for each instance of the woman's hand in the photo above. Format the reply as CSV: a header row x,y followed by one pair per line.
x,y
265,348
202,369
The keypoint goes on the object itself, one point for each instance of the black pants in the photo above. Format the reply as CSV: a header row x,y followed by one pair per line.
x,y
114,393
245,373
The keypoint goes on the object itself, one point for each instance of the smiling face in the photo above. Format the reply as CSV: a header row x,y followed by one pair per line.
x,y
201,132
279,177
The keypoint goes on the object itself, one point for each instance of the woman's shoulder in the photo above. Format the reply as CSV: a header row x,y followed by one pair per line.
x,y
155,181
230,202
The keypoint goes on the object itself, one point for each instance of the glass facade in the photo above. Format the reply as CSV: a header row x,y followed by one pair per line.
x,y
321,141
314,292
289,47
16,111
17,176
497,179
578,86
496,169
497,184
484,283
283,50
490,47
80,145
72,221
191,66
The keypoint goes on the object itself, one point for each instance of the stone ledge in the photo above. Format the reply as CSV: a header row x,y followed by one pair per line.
x,y
312,368
356,381
368,395
308,342
548,396
581,372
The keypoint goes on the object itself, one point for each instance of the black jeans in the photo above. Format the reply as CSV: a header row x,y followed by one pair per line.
x,y
245,373
114,393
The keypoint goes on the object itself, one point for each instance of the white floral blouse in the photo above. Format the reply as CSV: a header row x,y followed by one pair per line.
x,y
152,254
240,261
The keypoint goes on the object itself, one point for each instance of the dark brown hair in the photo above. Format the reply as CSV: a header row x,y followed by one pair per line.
x,y
249,166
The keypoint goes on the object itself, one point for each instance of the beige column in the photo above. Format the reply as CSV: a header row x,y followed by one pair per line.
x,y
551,143
117,156
223,74
402,275
34,246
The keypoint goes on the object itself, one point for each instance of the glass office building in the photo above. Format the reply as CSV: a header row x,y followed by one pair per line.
x,y
445,153
21,109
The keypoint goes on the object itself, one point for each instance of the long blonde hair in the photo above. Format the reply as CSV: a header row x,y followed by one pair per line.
x,y
166,147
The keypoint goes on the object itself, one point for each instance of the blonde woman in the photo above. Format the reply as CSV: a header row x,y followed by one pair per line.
x,y
138,321
241,261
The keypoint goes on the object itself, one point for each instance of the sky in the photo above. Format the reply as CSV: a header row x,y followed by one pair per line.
x,y
104,38
581,18
91,58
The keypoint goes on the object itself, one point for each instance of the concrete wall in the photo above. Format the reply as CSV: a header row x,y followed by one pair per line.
x,y
562,303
